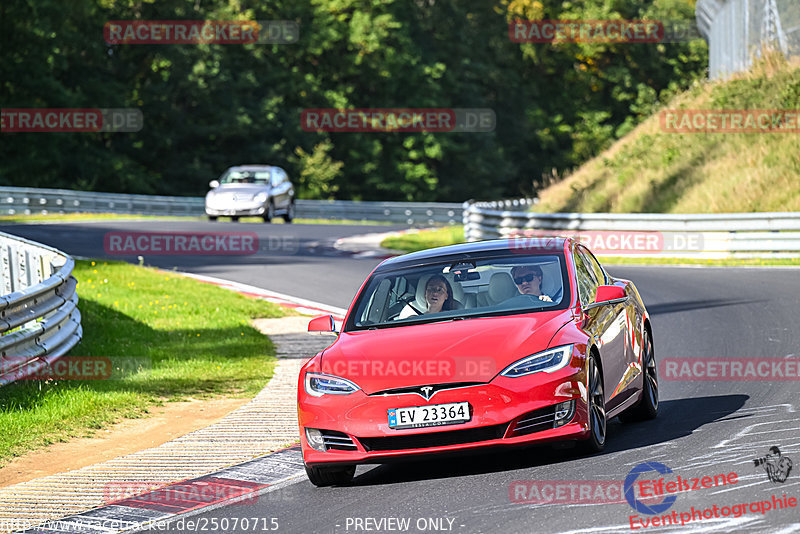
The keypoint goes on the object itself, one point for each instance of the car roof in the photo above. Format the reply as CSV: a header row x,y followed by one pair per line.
x,y
254,167
498,247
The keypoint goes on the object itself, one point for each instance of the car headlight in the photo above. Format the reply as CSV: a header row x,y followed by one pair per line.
x,y
548,361
318,384
261,197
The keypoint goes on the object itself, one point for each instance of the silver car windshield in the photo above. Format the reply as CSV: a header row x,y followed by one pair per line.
x,y
448,291
245,177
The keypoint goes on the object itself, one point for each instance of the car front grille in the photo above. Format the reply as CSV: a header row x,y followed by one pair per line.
x,y
535,421
418,389
337,440
434,439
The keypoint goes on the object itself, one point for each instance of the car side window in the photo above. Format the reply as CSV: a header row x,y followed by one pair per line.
x,y
587,285
593,265
275,177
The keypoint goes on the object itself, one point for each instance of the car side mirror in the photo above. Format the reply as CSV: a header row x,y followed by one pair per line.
x,y
322,323
213,184
609,293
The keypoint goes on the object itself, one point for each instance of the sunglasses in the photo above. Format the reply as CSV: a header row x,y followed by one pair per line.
x,y
526,278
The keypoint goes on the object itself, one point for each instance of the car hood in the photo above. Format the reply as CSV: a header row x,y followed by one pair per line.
x,y
470,350
241,189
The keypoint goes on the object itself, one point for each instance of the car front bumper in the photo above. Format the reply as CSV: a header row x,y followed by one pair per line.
x,y
236,211
499,412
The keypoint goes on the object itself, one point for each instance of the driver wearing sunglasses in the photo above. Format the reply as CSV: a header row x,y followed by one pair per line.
x,y
529,281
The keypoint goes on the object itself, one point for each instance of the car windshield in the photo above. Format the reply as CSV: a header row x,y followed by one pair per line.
x,y
245,177
461,290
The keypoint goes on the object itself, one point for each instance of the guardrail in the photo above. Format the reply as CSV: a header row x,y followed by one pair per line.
x,y
27,201
774,235
39,318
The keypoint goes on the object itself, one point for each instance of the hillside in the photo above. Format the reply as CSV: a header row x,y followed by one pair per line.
x,y
650,170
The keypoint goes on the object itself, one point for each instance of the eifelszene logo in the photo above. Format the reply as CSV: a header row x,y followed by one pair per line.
x,y
630,480
775,464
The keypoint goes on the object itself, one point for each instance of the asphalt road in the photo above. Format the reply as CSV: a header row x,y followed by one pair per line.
x,y
295,259
704,428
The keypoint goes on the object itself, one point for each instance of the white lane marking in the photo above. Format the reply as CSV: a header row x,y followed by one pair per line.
x,y
268,293
746,431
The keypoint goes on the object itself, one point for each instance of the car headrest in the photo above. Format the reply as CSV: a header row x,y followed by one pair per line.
x,y
551,278
458,291
502,287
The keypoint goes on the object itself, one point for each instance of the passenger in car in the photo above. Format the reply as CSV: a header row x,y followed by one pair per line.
x,y
529,281
439,295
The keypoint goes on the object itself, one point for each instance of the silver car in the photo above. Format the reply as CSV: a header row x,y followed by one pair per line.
x,y
251,191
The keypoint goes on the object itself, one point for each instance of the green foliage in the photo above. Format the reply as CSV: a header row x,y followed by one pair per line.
x,y
210,106
318,172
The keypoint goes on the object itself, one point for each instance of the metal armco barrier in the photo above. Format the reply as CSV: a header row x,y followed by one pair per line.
x,y
39,318
25,200
774,235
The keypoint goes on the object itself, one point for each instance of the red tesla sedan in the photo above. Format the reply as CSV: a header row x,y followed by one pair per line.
x,y
495,343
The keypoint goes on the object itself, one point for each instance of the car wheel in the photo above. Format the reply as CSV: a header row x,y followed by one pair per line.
x,y
212,218
270,213
289,216
330,476
235,218
647,407
597,408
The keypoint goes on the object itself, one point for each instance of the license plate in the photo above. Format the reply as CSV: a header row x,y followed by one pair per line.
x,y
434,415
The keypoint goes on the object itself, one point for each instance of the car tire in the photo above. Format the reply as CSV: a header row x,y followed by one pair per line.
x,y
598,423
647,407
270,213
212,218
330,476
235,218
289,215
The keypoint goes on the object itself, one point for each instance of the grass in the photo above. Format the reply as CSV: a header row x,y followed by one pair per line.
x,y
424,239
414,240
193,340
652,171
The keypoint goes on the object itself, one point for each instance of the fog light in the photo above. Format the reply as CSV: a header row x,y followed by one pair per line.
x,y
314,438
564,413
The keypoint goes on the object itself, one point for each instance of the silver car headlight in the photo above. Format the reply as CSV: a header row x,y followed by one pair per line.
x,y
548,361
261,197
318,384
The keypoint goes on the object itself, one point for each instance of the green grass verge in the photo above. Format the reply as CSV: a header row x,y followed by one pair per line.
x,y
193,339
451,235
424,239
